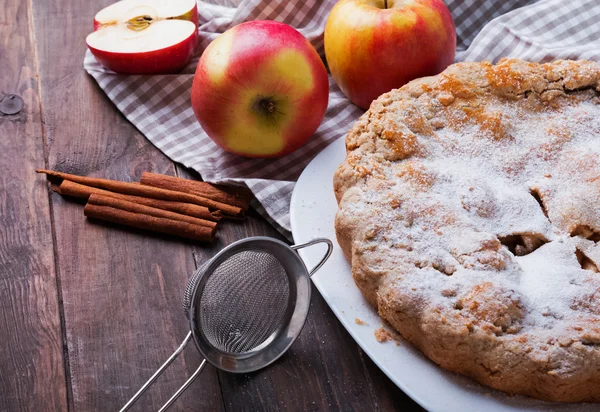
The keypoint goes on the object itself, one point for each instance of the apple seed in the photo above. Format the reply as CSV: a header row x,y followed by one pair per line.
x,y
139,23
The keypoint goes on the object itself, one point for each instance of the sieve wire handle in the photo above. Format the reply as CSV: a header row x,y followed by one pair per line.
x,y
160,370
183,387
314,242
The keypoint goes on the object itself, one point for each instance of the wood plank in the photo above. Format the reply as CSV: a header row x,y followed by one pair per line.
x,y
388,397
121,288
32,374
324,369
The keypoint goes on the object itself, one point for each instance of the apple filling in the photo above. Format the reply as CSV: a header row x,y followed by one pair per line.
x,y
585,262
523,244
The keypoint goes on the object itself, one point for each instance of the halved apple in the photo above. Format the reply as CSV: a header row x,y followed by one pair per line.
x,y
145,36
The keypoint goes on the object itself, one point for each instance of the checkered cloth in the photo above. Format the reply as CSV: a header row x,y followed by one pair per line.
x,y
159,106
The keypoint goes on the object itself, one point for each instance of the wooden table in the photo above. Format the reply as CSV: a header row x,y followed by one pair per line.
x,y
89,311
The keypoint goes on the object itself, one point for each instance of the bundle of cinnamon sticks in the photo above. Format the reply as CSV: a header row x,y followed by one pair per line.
x,y
159,203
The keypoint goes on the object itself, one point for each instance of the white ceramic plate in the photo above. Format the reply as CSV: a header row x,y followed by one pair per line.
x,y
313,209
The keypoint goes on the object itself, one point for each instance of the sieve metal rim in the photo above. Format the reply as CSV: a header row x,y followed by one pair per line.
x,y
201,283
295,316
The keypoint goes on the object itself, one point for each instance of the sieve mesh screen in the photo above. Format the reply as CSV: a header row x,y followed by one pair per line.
x,y
244,301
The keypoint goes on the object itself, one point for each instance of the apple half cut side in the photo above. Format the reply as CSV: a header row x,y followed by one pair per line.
x,y
145,36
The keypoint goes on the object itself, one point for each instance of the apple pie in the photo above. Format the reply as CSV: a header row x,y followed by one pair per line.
x,y
469,207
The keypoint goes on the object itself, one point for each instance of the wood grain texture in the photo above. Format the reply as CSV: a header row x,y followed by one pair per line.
x,y
121,288
32,376
324,370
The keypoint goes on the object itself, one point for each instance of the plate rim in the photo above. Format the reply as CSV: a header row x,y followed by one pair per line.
x,y
497,397
334,308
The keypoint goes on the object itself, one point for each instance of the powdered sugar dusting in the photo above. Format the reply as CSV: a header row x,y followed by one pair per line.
x,y
493,195
551,281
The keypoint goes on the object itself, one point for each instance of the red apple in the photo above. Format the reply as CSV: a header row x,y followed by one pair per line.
x,y
260,89
145,36
374,46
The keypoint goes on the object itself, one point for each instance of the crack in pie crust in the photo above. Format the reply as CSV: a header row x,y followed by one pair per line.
x,y
469,207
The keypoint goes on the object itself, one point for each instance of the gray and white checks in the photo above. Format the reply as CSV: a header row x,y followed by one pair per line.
x,y
159,106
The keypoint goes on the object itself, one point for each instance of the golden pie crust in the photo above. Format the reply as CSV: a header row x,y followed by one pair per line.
x,y
469,207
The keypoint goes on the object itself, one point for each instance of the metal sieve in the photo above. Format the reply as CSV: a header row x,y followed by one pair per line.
x,y
246,306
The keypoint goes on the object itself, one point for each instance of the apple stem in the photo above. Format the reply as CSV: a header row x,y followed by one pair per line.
x,y
385,4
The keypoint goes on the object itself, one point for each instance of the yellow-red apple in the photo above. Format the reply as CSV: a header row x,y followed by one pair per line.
x,y
374,46
260,89
145,36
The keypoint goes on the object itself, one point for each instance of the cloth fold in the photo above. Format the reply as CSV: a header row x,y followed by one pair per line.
x,y
159,106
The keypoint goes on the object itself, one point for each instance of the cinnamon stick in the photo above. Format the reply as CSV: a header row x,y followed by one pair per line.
x,y
144,221
236,196
101,200
69,188
136,189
